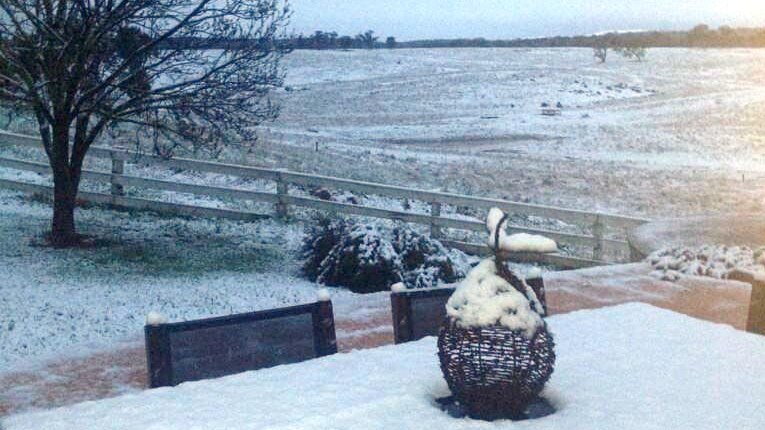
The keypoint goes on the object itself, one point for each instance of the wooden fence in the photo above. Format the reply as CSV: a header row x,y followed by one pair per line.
x,y
606,238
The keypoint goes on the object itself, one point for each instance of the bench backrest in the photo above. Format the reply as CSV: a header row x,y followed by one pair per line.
x,y
215,347
420,313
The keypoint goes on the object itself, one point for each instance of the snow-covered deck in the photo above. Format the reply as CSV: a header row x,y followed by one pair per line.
x,y
627,367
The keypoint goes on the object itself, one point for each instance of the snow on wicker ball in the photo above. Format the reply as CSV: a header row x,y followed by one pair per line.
x,y
485,299
521,242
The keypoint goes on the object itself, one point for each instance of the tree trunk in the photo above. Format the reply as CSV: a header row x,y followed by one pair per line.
x,y
63,232
66,178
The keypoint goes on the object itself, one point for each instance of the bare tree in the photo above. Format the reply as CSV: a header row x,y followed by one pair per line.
x,y
600,53
634,52
84,67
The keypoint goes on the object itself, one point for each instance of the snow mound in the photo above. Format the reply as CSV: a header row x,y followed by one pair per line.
x,y
711,261
485,299
398,287
323,295
155,318
521,242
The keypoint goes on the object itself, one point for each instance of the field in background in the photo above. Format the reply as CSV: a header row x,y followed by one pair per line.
x,y
678,134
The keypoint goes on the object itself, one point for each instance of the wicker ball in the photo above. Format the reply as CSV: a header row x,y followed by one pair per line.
x,y
495,372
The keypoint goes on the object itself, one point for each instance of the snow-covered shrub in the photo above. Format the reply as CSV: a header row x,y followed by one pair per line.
x,y
426,261
366,258
319,242
711,261
363,260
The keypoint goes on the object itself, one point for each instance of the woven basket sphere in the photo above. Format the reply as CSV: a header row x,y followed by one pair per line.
x,y
495,372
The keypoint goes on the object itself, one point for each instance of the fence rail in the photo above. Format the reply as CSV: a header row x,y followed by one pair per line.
x,y
599,224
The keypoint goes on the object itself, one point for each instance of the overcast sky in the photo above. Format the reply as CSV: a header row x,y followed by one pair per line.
x,y
423,19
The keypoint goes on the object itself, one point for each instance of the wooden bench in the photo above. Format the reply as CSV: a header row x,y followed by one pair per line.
x,y
215,347
420,313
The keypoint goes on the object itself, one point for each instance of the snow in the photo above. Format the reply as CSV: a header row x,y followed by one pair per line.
x,y
398,287
56,304
485,299
709,260
676,135
323,295
631,367
524,242
521,242
155,318
534,272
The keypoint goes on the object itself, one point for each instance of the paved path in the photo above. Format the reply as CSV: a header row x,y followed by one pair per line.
x,y
365,322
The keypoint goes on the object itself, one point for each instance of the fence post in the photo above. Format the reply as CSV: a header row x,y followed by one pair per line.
x,y
118,168
282,210
435,211
598,232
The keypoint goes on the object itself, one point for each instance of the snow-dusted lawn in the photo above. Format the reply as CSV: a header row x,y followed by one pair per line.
x,y
57,303
626,367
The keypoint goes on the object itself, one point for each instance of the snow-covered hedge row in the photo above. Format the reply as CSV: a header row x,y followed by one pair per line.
x,y
367,258
711,261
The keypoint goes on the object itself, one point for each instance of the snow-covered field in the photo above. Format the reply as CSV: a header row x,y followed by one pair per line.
x,y
678,134
627,367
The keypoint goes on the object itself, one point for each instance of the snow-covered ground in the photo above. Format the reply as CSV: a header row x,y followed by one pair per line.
x,y
678,134
627,367
68,302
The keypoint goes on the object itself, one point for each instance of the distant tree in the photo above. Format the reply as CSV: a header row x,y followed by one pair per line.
x,y
600,53
83,67
345,42
726,31
367,39
390,42
699,35
332,39
633,52
320,40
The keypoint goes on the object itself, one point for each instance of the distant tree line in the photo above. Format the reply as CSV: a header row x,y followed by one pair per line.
x,y
319,40
331,40
700,36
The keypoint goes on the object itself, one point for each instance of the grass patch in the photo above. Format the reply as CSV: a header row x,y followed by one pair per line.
x,y
142,244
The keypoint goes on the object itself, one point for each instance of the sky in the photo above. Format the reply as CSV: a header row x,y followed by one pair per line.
x,y
507,19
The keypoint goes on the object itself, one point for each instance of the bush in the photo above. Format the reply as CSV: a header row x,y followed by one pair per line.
x,y
319,242
426,261
365,259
